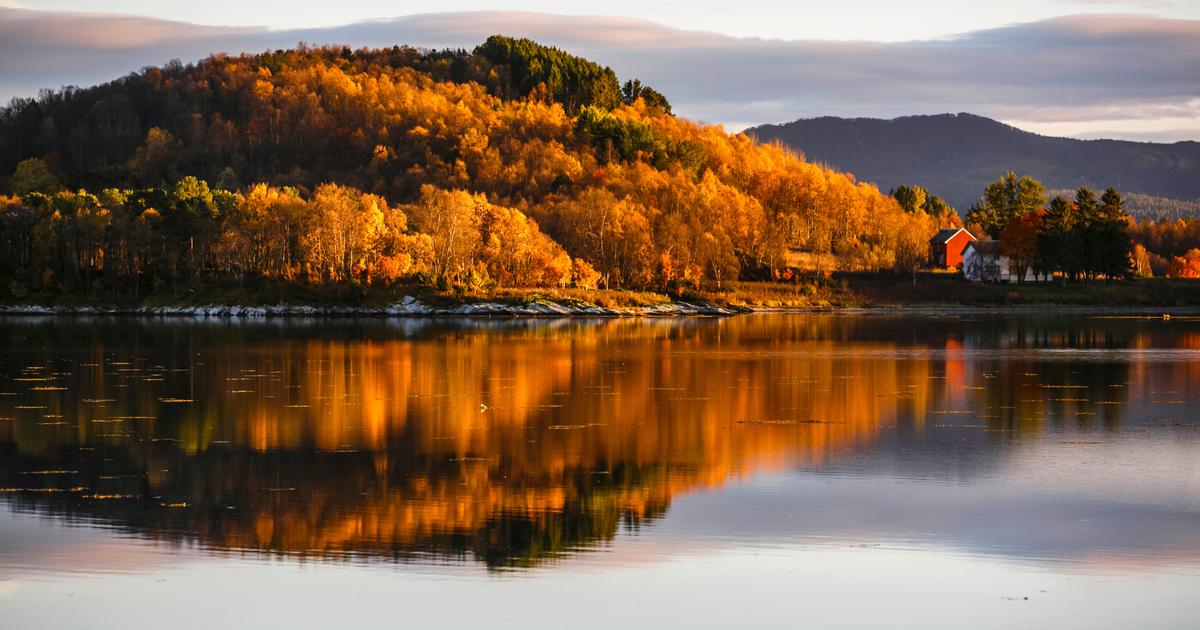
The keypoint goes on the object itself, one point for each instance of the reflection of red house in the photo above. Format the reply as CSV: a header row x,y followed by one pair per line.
x,y
946,247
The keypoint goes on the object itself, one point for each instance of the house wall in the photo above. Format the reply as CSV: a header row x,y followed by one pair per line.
x,y
972,268
937,254
954,248
982,268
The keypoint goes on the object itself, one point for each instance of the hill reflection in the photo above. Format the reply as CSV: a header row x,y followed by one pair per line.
x,y
514,443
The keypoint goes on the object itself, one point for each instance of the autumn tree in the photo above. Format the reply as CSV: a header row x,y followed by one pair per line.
x,y
265,233
1142,265
912,242
1019,242
452,221
343,228
611,234
517,253
1186,266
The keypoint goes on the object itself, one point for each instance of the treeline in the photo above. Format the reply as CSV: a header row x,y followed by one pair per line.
x,y
129,242
648,200
1082,238
1152,208
1167,248
125,243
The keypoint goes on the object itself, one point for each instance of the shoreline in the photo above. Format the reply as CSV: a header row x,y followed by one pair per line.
x,y
413,308
408,307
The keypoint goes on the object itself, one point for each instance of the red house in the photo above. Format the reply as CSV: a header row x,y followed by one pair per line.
x,y
946,247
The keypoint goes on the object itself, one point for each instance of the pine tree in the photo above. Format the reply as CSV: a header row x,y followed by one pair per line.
x,y
1112,236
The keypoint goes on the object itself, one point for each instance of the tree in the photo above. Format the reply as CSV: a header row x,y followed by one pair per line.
x,y
1087,238
262,236
611,234
1100,231
912,243
192,211
1113,245
1186,266
1019,242
342,234
1005,198
153,164
583,275
32,175
1058,246
1085,231
516,253
633,90
572,80
452,220
1142,266
17,221
911,198
938,208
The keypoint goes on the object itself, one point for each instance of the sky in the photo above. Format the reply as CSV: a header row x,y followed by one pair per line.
x,y
871,20
1098,68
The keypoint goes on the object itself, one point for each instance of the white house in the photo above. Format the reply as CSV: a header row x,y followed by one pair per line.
x,y
983,262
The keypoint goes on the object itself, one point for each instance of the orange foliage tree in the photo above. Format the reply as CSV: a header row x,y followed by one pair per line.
x,y
1186,266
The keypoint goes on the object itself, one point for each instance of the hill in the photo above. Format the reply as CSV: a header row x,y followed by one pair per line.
x,y
955,155
1147,207
513,164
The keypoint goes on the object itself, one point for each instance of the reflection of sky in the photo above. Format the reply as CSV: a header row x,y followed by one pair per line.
x,y
834,584
1068,510
1090,533
1127,504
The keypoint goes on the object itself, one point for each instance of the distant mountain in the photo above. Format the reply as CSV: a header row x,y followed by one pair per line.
x,y
955,155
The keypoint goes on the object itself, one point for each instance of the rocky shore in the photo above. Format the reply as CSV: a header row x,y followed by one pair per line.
x,y
406,307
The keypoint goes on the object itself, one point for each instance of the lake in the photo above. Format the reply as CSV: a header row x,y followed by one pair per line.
x,y
844,470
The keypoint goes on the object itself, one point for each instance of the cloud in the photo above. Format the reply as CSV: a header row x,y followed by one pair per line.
x,y
40,49
1148,4
1102,68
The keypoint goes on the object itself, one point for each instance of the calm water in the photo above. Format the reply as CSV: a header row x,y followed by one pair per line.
x,y
831,470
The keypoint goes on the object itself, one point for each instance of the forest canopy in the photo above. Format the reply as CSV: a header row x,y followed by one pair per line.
x,y
514,164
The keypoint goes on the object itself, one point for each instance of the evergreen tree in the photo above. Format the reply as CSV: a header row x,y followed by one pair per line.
x,y
1113,242
911,198
1057,249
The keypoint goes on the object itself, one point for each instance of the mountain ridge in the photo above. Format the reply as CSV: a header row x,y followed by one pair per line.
x,y
956,154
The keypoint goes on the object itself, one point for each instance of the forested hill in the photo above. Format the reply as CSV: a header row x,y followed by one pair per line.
x,y
513,164
309,115
955,155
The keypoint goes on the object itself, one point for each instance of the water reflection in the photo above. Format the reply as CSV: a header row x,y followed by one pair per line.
x,y
514,443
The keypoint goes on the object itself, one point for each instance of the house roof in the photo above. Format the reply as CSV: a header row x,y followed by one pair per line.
x,y
944,236
988,248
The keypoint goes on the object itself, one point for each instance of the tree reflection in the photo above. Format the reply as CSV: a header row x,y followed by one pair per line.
x,y
516,443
